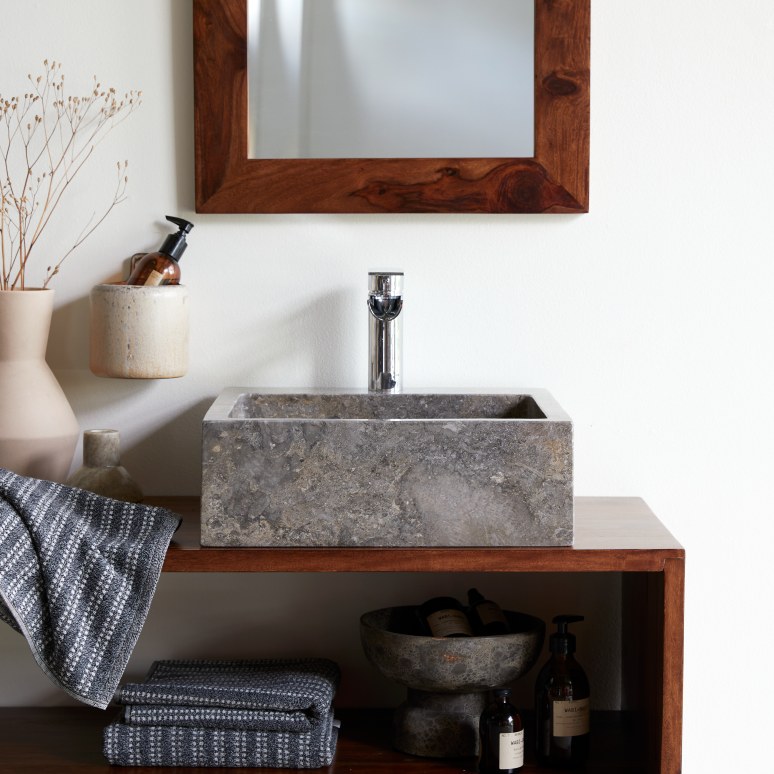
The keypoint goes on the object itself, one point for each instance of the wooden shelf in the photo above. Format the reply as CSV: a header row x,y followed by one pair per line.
x,y
620,536
59,740
611,534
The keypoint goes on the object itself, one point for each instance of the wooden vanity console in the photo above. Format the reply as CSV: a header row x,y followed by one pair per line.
x,y
620,536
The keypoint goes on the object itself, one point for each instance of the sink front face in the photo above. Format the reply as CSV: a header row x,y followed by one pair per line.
x,y
368,469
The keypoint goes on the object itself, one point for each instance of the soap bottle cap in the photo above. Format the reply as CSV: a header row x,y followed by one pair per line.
x,y
500,692
175,244
562,642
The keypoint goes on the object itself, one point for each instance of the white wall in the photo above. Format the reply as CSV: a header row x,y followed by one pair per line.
x,y
650,319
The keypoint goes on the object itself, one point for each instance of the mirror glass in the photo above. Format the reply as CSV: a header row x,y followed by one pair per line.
x,y
391,78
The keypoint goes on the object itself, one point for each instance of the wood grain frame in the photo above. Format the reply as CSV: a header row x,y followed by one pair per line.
x,y
555,180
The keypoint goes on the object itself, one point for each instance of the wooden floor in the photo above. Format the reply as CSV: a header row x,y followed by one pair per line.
x,y
65,740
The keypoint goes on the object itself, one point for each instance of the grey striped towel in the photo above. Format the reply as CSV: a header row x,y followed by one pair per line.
x,y
127,745
77,576
305,685
264,713
218,717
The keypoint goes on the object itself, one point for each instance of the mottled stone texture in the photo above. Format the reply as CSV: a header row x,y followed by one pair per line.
x,y
454,665
359,469
438,725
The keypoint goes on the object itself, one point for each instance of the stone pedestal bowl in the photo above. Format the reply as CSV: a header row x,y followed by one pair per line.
x,y
448,679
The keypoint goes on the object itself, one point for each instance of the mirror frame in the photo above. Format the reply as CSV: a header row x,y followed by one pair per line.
x,y
555,179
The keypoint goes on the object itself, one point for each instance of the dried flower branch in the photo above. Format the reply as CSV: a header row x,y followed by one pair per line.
x,y
46,138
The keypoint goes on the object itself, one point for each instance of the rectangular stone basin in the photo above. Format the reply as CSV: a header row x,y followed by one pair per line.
x,y
369,469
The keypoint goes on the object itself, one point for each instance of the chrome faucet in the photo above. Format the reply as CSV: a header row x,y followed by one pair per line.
x,y
385,331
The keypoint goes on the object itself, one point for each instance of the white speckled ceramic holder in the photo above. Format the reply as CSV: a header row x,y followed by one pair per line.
x,y
139,332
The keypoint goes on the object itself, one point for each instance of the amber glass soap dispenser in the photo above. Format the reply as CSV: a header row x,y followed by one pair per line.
x,y
562,703
161,267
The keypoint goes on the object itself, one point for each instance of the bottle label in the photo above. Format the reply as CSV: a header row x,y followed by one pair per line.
x,y
571,718
511,750
489,612
442,623
154,278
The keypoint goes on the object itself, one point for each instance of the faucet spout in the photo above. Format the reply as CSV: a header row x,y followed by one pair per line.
x,y
385,331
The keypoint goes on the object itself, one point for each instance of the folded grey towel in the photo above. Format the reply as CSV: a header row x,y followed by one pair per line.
x,y
287,685
220,717
77,575
127,745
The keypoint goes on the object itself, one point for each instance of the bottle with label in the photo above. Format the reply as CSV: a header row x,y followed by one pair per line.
x,y
444,617
501,736
486,616
161,267
562,703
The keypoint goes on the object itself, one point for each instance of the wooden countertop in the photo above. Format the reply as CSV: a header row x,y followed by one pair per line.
x,y
611,534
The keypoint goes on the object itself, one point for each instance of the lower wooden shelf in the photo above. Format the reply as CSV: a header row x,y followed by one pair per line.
x,y
57,740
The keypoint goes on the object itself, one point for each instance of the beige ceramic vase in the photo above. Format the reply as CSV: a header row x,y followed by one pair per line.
x,y
38,430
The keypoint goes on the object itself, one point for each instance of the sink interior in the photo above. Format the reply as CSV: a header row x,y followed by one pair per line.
x,y
375,406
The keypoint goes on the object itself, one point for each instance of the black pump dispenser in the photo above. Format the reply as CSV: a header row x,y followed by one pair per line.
x,y
161,267
174,245
562,642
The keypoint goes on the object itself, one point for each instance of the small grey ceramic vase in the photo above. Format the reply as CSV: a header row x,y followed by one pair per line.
x,y
102,471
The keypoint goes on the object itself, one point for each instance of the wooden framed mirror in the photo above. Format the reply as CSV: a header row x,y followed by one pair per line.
x,y
555,179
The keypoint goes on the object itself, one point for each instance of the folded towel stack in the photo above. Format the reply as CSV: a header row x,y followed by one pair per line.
x,y
273,713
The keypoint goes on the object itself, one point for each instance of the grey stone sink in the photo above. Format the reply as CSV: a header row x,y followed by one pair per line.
x,y
370,469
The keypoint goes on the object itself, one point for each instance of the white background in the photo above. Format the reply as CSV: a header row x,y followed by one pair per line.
x,y
649,319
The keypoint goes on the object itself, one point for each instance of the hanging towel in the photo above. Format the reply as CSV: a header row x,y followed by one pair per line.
x,y
77,575
305,685
127,745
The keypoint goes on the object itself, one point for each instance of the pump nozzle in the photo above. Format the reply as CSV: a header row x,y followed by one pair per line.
x,y
563,620
562,641
184,225
175,244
